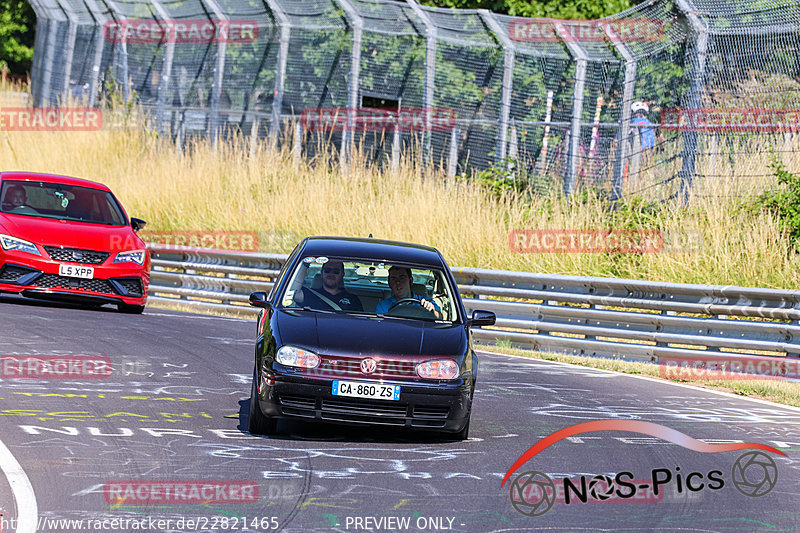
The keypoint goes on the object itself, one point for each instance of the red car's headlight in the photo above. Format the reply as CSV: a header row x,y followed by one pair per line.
x,y
13,244
134,256
438,369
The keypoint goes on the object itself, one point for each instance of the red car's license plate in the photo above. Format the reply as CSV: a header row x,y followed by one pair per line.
x,y
73,271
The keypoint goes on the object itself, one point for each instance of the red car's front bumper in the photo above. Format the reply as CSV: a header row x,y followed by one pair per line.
x,y
34,275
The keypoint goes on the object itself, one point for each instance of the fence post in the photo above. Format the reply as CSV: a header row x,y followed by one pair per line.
x,y
430,72
297,144
697,53
509,52
452,161
280,71
219,72
100,22
50,57
116,13
69,47
625,117
357,25
166,69
577,108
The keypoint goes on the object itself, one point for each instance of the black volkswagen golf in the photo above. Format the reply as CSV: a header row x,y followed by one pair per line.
x,y
364,331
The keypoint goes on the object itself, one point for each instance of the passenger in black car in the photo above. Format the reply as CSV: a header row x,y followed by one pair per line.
x,y
332,294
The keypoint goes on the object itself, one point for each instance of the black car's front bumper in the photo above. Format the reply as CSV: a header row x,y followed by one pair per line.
x,y
432,406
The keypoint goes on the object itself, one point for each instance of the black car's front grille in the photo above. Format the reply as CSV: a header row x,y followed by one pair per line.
x,y
349,366
432,412
132,286
297,405
52,281
356,407
381,412
76,255
12,273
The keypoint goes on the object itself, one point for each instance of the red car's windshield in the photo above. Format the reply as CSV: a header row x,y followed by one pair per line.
x,y
57,201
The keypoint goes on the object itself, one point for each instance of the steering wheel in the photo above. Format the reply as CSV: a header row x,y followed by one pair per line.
x,y
407,301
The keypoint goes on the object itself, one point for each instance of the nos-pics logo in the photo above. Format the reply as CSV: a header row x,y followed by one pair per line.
x,y
533,493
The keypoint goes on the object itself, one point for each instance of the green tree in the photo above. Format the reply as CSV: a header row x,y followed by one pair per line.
x,y
562,9
17,24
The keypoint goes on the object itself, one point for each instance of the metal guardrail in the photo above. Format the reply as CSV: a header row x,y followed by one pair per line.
x,y
608,317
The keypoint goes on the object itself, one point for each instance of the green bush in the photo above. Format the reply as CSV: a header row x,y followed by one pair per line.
x,y
783,201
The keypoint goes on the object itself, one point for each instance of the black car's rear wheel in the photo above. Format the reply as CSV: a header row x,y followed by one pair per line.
x,y
257,423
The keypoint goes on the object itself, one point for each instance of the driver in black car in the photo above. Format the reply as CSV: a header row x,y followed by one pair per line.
x,y
332,294
400,283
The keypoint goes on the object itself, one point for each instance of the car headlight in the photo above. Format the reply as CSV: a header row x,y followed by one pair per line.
x,y
134,256
13,244
293,356
438,369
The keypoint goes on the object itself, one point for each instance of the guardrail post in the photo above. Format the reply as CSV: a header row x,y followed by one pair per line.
x,y
280,71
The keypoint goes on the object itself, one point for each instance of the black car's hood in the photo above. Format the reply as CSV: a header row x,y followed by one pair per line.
x,y
343,334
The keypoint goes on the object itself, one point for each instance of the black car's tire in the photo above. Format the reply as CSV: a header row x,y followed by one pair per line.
x,y
464,433
257,423
130,309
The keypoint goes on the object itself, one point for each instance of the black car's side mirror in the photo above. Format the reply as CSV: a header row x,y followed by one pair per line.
x,y
137,224
482,318
259,299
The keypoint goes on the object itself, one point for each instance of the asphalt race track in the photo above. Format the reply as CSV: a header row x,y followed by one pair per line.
x,y
174,409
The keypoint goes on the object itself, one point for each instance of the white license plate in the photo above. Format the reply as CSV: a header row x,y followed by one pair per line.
x,y
73,271
365,389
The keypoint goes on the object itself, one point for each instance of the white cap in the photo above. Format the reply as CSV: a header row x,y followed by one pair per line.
x,y
640,106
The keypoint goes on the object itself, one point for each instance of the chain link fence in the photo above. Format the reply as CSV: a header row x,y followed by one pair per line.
x,y
553,104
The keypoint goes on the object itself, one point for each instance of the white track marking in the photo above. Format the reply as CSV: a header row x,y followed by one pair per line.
x,y
655,380
28,511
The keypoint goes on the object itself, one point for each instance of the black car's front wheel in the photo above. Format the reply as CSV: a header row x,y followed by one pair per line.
x,y
463,434
257,423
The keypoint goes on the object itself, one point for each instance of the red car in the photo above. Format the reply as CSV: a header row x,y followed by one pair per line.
x,y
66,238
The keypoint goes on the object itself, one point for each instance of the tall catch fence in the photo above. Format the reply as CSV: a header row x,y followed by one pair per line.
x,y
554,104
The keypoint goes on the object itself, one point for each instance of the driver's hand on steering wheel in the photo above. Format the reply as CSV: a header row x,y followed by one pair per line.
x,y
429,307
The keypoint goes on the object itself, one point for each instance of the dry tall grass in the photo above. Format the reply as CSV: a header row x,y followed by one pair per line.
x,y
228,188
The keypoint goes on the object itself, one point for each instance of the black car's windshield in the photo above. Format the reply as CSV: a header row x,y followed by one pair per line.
x,y
63,202
361,286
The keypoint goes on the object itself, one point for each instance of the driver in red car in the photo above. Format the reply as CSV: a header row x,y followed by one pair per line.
x,y
400,283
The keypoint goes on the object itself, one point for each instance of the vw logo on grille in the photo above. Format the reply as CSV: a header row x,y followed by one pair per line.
x,y
368,366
